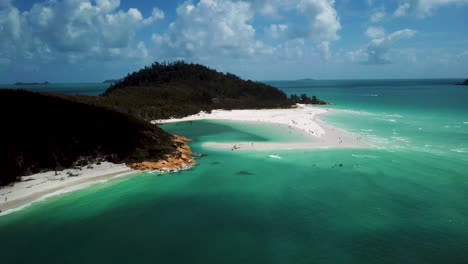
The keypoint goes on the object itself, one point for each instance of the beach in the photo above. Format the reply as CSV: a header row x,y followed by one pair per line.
x,y
303,118
41,186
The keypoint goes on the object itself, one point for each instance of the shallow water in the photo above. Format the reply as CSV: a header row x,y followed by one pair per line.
x,y
402,202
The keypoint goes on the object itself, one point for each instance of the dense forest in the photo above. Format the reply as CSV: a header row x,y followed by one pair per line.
x,y
165,90
43,132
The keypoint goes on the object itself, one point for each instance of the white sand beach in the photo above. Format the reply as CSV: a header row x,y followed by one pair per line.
x,y
303,118
41,186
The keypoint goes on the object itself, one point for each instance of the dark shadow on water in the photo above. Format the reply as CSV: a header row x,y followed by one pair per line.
x,y
222,228
244,173
196,129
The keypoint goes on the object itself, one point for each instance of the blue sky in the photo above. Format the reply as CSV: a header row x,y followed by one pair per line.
x,y
93,40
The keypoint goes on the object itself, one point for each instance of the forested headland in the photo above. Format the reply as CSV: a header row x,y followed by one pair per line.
x,y
43,132
165,90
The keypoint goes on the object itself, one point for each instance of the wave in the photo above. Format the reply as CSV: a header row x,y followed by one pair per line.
x,y
391,120
365,156
274,156
460,150
354,112
367,130
394,115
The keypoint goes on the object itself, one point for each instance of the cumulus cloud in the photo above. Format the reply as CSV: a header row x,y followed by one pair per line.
x,y
322,22
376,52
424,8
211,28
156,15
71,30
216,27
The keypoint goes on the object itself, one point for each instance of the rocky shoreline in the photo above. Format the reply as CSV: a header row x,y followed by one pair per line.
x,y
181,159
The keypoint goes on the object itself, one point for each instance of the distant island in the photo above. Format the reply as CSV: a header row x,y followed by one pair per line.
x,y
31,83
465,82
121,131
112,81
306,80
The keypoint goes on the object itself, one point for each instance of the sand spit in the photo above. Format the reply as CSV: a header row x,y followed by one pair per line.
x,y
303,118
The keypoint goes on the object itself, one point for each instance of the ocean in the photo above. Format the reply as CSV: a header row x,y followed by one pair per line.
x,y
402,201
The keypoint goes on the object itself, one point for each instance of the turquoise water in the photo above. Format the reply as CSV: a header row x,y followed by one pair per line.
x,y
401,202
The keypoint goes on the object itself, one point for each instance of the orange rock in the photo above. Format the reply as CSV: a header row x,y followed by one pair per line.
x,y
181,159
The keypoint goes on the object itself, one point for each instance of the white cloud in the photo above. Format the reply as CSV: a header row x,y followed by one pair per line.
x,y
375,32
376,52
216,27
323,22
423,8
377,16
401,34
211,28
402,10
71,30
156,15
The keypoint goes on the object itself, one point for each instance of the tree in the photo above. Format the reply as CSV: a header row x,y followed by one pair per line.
x,y
314,100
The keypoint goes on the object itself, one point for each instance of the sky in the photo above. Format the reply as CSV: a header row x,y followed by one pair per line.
x,y
95,40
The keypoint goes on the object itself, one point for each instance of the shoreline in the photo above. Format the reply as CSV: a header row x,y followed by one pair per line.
x,y
41,186
303,118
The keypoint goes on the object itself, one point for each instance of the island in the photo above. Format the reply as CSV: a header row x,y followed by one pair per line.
x,y
178,89
465,82
32,83
63,141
